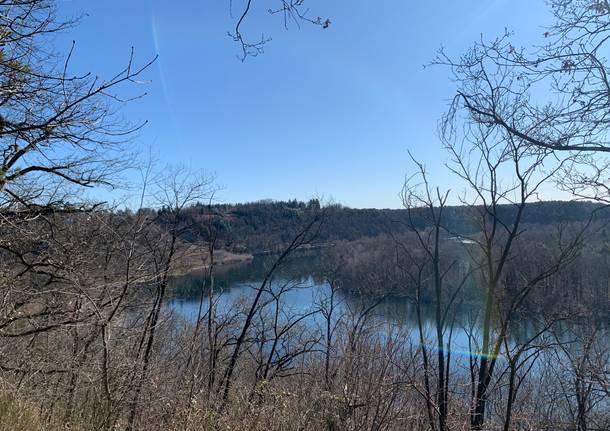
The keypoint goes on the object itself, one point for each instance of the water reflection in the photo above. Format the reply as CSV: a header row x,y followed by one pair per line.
x,y
308,290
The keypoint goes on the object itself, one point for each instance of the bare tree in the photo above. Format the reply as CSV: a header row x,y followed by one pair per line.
x,y
554,95
56,128
330,309
60,134
174,192
500,169
304,236
292,12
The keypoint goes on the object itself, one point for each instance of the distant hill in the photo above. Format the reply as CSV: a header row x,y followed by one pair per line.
x,y
264,225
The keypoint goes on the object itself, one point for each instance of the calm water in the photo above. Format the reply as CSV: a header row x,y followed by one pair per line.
x,y
236,285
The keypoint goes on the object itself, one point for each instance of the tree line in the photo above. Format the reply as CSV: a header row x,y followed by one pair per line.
x,y
266,225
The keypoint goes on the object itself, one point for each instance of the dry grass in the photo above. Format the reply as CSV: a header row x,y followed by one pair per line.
x,y
16,415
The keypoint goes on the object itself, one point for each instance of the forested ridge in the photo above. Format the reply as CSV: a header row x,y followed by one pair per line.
x,y
261,226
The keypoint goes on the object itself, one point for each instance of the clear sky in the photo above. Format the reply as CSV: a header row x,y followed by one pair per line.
x,y
328,112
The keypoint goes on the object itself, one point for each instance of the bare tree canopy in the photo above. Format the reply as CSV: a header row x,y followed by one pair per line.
x,y
555,95
292,12
56,128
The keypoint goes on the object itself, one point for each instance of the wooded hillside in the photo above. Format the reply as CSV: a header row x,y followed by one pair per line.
x,y
265,225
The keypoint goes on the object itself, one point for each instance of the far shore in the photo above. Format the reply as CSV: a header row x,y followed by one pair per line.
x,y
198,259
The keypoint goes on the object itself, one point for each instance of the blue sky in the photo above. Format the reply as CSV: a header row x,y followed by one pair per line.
x,y
328,112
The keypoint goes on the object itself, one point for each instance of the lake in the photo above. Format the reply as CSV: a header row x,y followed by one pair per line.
x,y
307,289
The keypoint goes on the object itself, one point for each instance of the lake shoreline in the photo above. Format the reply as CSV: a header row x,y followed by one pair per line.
x,y
197,259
